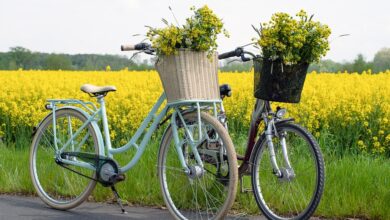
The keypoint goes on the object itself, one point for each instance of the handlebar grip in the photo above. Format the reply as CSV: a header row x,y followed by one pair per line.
x,y
127,47
227,55
234,53
140,46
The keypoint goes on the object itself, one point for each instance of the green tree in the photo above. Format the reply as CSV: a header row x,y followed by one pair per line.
x,y
235,65
58,61
359,65
12,65
347,66
22,57
89,65
19,57
4,61
328,66
382,60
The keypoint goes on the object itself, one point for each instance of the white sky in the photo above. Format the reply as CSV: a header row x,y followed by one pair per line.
x,y
101,26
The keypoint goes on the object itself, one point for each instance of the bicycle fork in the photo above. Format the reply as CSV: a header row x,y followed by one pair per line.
x,y
197,171
285,173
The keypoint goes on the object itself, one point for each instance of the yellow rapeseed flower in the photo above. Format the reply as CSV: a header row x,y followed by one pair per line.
x,y
328,101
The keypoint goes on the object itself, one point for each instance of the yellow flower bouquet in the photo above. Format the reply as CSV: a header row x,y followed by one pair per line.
x,y
187,62
287,46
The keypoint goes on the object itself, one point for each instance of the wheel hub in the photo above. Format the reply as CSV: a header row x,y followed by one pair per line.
x,y
288,175
196,172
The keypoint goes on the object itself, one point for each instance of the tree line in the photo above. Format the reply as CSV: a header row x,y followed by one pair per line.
x,y
381,62
22,58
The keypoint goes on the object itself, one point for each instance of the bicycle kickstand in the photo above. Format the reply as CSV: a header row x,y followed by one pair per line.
x,y
118,199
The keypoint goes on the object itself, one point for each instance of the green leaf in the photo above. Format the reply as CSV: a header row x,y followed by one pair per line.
x,y
311,17
165,21
256,30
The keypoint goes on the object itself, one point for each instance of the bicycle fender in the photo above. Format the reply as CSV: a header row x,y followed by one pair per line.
x,y
93,123
285,120
262,136
35,128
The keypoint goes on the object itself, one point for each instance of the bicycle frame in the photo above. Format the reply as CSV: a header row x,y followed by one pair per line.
x,y
105,148
253,130
262,108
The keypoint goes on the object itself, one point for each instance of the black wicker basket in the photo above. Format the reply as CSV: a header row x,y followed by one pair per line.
x,y
275,81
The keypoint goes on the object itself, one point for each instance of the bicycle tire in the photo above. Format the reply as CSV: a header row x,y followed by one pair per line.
x,y
52,182
275,205
178,205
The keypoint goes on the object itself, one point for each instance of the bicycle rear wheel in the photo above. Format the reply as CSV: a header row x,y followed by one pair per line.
x,y
200,194
57,186
296,194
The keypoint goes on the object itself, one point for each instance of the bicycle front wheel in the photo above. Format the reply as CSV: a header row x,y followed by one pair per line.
x,y
297,193
205,192
58,187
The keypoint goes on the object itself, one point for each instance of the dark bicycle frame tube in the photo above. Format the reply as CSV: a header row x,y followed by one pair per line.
x,y
256,118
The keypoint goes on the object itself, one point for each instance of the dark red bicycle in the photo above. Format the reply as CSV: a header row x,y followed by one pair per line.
x,y
283,159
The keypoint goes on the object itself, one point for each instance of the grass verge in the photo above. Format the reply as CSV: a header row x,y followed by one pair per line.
x,y
356,186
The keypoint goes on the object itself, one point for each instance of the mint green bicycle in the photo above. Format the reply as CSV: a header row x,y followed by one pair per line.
x,y
197,167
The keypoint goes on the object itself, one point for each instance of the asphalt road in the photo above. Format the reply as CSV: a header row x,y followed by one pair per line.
x,y
31,208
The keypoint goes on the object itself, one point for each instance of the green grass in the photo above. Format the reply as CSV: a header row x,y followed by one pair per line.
x,y
356,186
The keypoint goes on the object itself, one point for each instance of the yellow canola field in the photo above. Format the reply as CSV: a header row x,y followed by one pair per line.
x,y
335,105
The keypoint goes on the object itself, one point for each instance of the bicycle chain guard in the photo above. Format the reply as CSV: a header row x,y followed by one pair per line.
x,y
107,169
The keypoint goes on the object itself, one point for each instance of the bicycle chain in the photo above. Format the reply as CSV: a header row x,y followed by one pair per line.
x,y
64,166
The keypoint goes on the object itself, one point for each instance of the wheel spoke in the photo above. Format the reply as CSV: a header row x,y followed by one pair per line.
x,y
202,195
284,198
58,187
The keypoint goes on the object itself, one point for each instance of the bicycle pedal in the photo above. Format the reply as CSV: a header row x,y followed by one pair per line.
x,y
114,179
120,177
243,189
246,190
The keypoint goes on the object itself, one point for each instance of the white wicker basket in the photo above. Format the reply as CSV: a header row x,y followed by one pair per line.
x,y
189,75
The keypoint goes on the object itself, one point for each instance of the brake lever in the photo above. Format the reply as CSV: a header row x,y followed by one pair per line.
x,y
235,60
135,54
244,59
149,51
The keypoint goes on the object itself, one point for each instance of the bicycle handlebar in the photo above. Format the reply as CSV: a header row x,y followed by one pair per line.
x,y
143,47
140,46
238,52
234,53
127,47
